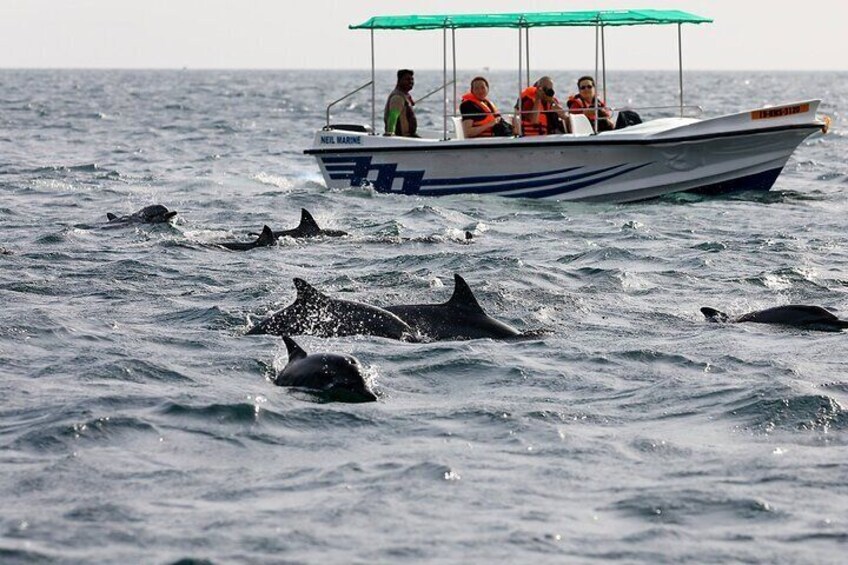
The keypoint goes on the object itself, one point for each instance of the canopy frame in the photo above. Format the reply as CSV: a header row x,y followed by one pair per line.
x,y
524,21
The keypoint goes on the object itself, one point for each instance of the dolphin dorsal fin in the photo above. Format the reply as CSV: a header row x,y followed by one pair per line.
x,y
266,237
307,222
295,351
110,216
463,297
307,293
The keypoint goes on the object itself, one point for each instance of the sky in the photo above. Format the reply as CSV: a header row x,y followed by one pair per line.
x,y
278,34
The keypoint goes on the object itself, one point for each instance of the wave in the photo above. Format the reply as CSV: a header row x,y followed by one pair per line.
x,y
70,431
809,412
302,418
690,506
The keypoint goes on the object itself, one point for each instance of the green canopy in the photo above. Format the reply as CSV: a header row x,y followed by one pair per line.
x,y
534,19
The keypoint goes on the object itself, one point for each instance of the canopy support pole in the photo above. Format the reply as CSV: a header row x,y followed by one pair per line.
x,y
373,90
527,51
520,61
680,63
604,64
597,37
444,82
453,46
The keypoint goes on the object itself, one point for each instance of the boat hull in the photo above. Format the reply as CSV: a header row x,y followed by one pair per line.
x,y
623,166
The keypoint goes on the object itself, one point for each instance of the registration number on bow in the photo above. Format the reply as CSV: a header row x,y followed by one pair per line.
x,y
780,112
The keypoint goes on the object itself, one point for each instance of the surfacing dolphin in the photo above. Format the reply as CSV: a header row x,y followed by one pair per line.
x,y
799,316
314,313
461,317
265,239
308,227
330,375
155,214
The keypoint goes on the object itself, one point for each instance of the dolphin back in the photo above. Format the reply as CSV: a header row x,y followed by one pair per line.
x,y
314,313
461,317
813,317
308,227
264,239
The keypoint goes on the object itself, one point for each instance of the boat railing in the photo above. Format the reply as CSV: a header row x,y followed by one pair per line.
x,y
432,92
345,97
366,85
692,111
696,111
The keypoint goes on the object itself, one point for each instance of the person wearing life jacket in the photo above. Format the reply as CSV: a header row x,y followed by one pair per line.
x,y
398,115
584,103
541,112
480,117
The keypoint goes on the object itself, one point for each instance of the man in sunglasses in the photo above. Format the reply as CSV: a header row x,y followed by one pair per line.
x,y
541,112
584,103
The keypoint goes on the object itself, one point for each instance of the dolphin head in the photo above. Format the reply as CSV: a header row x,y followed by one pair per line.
x,y
156,214
346,379
331,376
714,315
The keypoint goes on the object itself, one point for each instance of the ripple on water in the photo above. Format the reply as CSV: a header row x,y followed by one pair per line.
x,y
64,436
808,412
690,506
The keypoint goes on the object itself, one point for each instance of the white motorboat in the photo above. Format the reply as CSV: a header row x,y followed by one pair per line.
x,y
741,151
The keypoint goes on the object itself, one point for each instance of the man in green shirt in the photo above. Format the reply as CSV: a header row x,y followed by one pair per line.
x,y
398,116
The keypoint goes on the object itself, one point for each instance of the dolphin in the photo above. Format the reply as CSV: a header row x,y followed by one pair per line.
x,y
308,227
799,316
265,239
314,313
336,377
461,317
155,214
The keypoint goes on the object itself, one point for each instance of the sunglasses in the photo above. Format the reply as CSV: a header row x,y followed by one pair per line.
x,y
549,91
587,86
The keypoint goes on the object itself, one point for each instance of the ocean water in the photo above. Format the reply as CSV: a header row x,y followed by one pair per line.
x,y
139,424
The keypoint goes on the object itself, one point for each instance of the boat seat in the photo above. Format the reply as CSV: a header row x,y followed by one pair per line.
x,y
459,133
580,124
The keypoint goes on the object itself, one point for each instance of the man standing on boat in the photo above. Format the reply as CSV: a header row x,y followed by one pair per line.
x,y
541,113
398,116
584,103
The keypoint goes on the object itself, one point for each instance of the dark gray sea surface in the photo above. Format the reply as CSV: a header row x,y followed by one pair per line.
x,y
139,424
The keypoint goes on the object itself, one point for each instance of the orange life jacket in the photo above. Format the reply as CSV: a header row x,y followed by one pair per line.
x,y
528,127
483,107
577,105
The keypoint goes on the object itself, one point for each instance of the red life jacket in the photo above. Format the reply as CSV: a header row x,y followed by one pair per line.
x,y
483,107
577,105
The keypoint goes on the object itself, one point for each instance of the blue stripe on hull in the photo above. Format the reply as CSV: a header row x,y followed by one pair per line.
x,y
360,170
490,189
495,178
759,181
557,190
